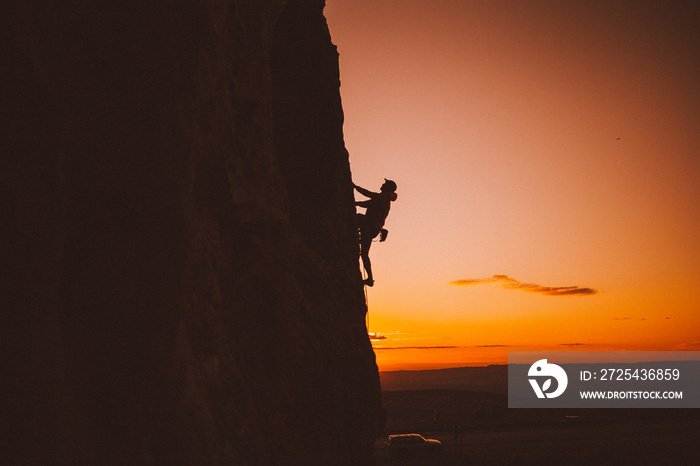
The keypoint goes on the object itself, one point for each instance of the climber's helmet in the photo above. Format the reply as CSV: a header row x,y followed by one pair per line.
x,y
388,186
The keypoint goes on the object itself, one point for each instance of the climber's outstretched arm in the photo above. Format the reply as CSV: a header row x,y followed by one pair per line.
x,y
365,192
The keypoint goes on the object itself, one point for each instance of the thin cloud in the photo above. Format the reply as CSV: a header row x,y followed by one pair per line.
x,y
508,283
638,318
573,344
688,346
492,346
412,347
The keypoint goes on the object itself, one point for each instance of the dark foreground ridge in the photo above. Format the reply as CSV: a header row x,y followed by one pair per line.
x,y
182,251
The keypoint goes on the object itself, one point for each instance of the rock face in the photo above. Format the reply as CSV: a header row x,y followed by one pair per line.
x,y
184,283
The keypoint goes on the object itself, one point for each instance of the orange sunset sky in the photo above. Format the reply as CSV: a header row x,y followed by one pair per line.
x,y
547,156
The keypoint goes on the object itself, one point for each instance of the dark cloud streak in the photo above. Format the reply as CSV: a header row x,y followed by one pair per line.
x,y
508,283
413,347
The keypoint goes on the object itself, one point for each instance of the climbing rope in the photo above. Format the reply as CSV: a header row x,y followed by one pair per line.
x,y
364,287
378,239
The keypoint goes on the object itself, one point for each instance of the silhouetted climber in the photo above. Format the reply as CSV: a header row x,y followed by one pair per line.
x,y
371,222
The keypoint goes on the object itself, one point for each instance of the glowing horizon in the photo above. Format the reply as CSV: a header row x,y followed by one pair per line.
x,y
546,157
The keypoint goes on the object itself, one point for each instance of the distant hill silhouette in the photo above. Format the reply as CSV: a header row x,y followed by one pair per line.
x,y
493,378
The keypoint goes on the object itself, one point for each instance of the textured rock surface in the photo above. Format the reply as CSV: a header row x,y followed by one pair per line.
x,y
184,284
